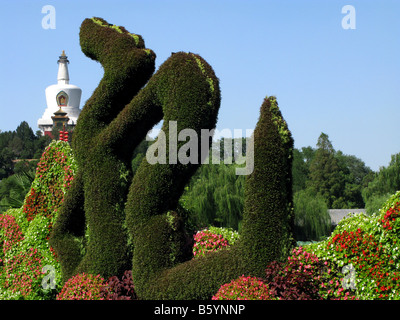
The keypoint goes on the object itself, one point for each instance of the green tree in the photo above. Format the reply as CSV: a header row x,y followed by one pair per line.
x,y
312,220
356,176
268,216
40,143
300,170
20,144
325,177
385,183
6,164
25,134
214,196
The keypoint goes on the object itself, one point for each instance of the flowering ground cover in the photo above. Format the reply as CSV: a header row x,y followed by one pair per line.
x,y
366,249
213,239
28,266
244,288
359,261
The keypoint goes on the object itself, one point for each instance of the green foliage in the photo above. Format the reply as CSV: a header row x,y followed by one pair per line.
x,y
14,189
159,186
214,196
231,235
339,178
384,183
112,124
20,144
300,170
312,220
375,203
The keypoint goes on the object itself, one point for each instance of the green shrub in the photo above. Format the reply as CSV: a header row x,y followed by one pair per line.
x,y
231,235
375,203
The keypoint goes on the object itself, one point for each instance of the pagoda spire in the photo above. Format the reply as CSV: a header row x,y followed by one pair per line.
x,y
63,75
61,98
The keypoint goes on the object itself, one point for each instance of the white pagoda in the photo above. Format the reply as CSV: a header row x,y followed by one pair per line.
x,y
61,97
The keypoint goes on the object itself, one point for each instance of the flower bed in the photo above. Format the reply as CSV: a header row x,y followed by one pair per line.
x,y
83,287
368,246
360,260
28,266
244,288
207,241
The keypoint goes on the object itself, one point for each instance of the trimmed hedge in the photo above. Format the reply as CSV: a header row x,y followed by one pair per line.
x,y
267,228
107,132
89,235
268,218
113,122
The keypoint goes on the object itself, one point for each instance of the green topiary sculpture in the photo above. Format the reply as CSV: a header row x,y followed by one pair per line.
x,y
266,231
89,234
111,221
268,218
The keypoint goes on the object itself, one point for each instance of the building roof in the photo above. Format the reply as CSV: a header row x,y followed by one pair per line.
x,y
339,214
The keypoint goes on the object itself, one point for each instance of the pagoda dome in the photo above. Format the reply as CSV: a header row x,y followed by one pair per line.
x,y
61,95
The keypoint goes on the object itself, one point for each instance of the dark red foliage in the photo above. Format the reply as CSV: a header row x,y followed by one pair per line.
x,y
120,289
290,284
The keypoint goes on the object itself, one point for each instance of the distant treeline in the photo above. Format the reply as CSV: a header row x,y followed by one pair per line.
x,y
20,144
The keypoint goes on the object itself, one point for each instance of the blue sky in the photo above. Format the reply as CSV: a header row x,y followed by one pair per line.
x,y
343,82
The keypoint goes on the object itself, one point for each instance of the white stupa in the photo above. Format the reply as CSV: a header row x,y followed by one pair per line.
x,y
61,96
